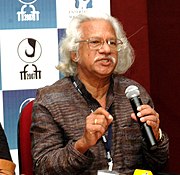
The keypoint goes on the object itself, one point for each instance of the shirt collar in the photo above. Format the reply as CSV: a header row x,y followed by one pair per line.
x,y
93,103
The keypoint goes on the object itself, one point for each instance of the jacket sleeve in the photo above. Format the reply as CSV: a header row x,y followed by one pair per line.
x,y
157,159
52,154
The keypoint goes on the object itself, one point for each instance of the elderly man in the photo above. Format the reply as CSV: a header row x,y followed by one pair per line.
x,y
84,122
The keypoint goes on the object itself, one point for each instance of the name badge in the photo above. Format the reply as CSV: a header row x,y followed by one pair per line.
x,y
106,172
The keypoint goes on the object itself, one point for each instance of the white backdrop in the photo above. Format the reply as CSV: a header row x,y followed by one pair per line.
x,y
30,31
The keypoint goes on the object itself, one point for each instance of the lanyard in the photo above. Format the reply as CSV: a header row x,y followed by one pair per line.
x,y
107,143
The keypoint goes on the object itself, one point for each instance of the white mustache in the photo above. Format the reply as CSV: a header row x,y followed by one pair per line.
x,y
105,57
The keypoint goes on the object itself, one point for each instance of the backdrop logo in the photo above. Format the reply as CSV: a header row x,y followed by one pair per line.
x,y
83,4
28,2
29,51
28,11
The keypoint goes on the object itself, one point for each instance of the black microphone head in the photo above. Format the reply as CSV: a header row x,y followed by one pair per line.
x,y
132,91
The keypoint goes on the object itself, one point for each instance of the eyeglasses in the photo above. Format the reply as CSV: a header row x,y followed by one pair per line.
x,y
97,43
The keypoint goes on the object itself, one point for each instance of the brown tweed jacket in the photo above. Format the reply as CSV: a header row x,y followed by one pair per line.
x,y
58,121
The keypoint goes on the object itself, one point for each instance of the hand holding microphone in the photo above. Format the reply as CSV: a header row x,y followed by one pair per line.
x,y
147,118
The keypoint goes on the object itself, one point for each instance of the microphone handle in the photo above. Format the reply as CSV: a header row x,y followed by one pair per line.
x,y
146,130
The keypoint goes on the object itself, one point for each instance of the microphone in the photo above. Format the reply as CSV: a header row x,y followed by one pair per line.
x,y
133,94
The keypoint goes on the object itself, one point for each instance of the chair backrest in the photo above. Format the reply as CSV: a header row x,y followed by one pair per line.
x,y
24,140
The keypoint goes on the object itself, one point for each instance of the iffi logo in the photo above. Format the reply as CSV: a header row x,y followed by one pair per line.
x,y
28,11
29,2
29,51
83,4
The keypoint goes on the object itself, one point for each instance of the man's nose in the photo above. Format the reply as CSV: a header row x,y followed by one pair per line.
x,y
105,47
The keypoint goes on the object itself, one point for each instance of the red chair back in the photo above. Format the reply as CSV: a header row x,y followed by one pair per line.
x,y
24,140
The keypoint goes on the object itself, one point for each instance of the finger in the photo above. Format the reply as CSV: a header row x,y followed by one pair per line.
x,y
96,123
140,108
133,116
102,121
95,119
100,129
155,121
146,110
149,117
101,112
95,131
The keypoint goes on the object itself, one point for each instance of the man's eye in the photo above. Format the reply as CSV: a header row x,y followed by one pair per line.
x,y
111,42
95,42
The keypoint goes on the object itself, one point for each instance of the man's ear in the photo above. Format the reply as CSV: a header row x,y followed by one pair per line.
x,y
74,56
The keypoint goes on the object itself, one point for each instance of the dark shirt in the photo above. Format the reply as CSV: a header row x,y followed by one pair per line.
x,y
59,115
4,148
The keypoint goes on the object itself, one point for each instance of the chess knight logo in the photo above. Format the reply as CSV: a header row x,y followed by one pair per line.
x,y
28,11
83,4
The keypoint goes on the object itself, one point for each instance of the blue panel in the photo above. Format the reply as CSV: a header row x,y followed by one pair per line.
x,y
12,100
23,14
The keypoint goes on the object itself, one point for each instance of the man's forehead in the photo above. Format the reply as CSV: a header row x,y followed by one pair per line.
x,y
96,26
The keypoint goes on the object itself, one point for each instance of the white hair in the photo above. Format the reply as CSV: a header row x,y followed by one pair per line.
x,y
73,33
